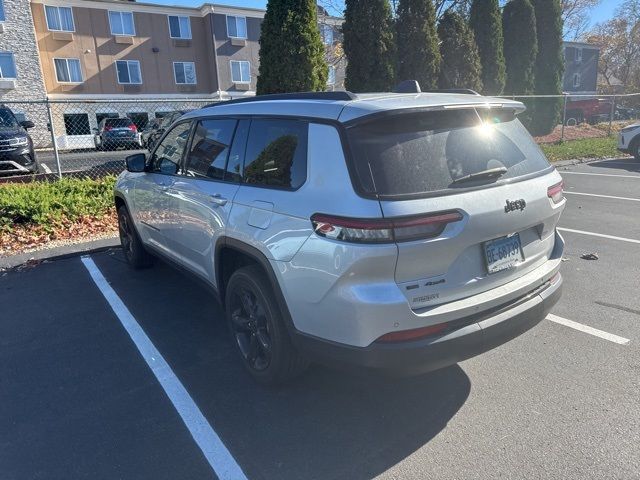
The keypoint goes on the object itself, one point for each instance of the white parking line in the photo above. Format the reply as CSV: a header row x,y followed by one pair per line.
x,y
602,235
599,174
590,330
221,461
45,167
602,196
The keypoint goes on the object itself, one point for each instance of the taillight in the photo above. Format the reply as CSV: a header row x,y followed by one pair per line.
x,y
413,334
383,230
554,192
133,128
107,128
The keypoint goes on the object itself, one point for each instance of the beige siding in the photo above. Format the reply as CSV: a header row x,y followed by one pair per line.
x,y
97,50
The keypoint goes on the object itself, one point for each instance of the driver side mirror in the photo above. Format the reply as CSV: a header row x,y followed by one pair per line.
x,y
136,162
27,124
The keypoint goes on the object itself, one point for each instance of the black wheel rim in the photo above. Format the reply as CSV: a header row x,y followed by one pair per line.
x,y
251,328
126,235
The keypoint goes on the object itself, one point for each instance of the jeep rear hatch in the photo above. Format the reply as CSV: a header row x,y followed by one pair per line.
x,y
477,170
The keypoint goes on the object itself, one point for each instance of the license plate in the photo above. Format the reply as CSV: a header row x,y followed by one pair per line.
x,y
503,253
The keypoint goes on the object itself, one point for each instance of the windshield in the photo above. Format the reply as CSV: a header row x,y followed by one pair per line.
x,y
7,120
419,153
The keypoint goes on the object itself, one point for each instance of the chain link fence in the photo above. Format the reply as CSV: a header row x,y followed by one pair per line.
x,y
93,137
88,138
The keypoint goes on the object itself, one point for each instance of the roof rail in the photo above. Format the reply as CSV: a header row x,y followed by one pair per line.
x,y
465,91
339,96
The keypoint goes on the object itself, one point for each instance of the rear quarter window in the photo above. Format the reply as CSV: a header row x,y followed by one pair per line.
x,y
276,154
425,152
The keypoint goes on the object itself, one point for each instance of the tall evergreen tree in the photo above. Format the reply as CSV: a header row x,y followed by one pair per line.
x,y
520,46
549,65
460,59
369,45
419,57
291,50
486,23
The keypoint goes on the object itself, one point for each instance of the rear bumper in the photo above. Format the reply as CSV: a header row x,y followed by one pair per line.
x,y
477,334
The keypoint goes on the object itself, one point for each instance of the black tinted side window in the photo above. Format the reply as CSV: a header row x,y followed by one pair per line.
x,y
210,148
167,157
276,153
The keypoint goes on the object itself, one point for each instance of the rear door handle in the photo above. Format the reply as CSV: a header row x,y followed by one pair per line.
x,y
218,199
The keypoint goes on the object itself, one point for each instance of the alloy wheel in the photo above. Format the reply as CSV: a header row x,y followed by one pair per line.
x,y
251,328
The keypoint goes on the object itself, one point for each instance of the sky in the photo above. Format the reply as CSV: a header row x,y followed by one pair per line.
x,y
602,12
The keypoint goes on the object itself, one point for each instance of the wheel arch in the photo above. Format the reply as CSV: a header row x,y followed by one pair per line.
x,y
231,254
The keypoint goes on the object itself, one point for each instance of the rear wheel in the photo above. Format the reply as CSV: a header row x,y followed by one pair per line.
x,y
258,329
635,150
132,247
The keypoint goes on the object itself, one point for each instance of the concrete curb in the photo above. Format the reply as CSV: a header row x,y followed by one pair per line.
x,y
59,253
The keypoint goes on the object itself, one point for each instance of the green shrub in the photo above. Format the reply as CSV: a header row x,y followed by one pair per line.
x,y
50,203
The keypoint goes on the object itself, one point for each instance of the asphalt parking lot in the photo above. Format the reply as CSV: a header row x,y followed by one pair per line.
x,y
79,400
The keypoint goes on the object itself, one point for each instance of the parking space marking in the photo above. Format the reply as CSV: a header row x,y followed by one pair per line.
x,y
602,196
45,167
599,174
593,234
590,330
219,458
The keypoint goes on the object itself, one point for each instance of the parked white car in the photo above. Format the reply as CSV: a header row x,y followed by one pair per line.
x,y
629,140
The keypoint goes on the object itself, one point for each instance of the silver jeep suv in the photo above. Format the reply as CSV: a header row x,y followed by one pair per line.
x,y
395,232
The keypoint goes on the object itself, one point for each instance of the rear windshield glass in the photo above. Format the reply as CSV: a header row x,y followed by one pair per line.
x,y
119,122
419,153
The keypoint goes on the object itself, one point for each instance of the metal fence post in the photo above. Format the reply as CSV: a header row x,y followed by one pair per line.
x,y
564,117
613,109
53,139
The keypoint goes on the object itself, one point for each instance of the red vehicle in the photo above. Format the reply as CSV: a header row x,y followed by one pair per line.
x,y
592,110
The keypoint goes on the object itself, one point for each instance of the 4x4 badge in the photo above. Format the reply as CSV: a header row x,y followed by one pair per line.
x,y
514,205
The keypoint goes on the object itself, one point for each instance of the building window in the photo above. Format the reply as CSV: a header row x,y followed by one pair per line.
x,y
7,65
184,73
122,23
140,119
578,54
240,71
577,80
179,27
59,19
76,124
326,31
2,18
236,27
129,72
68,70
331,77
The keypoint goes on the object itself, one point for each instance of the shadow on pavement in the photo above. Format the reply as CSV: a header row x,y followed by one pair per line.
x,y
327,424
625,163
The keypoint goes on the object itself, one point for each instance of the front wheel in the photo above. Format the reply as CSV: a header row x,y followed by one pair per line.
x,y
134,252
258,329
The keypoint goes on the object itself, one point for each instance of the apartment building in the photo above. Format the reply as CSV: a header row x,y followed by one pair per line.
x,y
580,68
114,50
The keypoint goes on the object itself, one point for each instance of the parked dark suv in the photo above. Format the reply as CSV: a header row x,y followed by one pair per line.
x,y
113,133
156,128
16,146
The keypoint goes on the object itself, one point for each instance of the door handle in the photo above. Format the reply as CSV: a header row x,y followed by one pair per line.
x,y
218,199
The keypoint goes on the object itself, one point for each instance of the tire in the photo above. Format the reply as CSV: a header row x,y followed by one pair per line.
x,y
636,150
258,330
134,252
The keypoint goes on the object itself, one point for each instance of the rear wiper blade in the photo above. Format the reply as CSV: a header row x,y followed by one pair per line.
x,y
484,174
